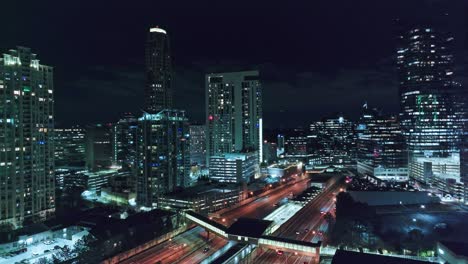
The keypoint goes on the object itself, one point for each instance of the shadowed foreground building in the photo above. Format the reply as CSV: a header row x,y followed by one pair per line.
x,y
163,155
27,184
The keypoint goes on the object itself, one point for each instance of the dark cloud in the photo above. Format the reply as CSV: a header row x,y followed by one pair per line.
x,y
315,57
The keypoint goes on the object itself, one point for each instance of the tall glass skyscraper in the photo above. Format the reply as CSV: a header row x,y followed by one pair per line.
x,y
381,150
158,89
27,184
70,146
198,145
233,112
124,142
163,155
427,95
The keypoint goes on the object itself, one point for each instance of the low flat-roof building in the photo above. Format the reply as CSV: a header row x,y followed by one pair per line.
x,y
234,167
203,198
352,257
452,252
378,198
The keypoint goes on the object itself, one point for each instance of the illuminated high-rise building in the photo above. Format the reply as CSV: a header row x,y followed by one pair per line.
x,y
27,184
428,94
98,147
158,89
198,145
381,150
280,145
124,142
233,113
69,146
163,155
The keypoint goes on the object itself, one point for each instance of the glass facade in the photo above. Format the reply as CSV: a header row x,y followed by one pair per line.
x,y
163,155
124,142
381,147
198,145
234,167
427,95
69,146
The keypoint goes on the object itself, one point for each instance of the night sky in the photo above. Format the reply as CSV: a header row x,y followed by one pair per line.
x,y
315,57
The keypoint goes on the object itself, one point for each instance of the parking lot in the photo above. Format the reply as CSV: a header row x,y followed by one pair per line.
x,y
38,250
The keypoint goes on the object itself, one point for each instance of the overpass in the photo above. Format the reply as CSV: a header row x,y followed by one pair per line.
x,y
255,232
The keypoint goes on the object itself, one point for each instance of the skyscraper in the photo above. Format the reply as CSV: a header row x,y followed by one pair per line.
x,y
124,142
427,95
98,147
158,89
381,150
198,145
163,155
233,113
69,146
27,184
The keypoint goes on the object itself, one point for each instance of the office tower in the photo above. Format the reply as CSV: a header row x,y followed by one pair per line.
x,y
98,147
270,152
198,145
233,112
158,89
280,144
333,141
69,146
124,142
381,147
427,95
163,155
296,144
27,189
234,167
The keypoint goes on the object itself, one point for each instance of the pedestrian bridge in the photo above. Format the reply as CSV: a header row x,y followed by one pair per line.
x,y
206,223
254,231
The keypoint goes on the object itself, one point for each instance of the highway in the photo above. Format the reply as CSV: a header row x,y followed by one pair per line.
x,y
264,205
310,218
188,247
184,246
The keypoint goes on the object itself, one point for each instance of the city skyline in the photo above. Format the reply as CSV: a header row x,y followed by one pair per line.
x,y
322,133
357,66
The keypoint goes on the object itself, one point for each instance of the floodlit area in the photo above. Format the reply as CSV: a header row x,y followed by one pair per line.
x,y
282,214
40,250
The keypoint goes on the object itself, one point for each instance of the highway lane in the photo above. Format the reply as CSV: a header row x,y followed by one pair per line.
x,y
311,218
194,239
263,206
199,255
169,250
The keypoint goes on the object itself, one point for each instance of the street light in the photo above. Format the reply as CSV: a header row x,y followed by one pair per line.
x,y
423,206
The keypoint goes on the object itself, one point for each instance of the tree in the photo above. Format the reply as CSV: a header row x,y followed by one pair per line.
x,y
414,240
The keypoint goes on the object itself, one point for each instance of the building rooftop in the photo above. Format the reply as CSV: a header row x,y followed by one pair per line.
x,y
249,227
346,257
